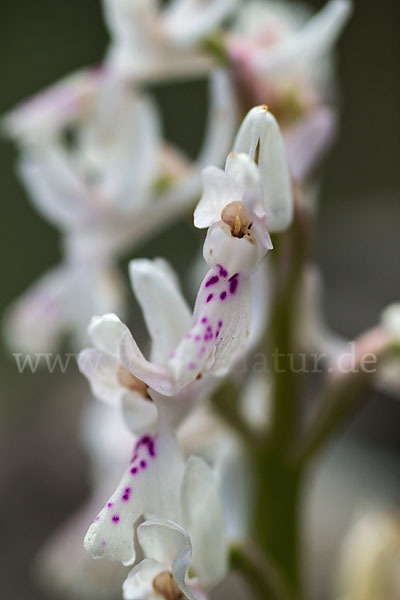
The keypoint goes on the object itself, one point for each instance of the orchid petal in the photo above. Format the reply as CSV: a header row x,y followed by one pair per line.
x,y
156,376
260,128
106,333
54,188
204,521
169,544
164,308
312,42
139,583
101,370
218,191
150,486
220,328
307,141
222,119
34,321
243,170
187,21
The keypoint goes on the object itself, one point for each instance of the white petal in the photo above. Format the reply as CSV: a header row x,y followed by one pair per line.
x,y
260,127
35,321
308,140
164,308
243,170
391,321
106,333
314,40
139,583
222,120
37,119
101,369
187,21
54,187
169,544
220,327
156,376
125,125
140,414
218,190
236,255
150,486
203,519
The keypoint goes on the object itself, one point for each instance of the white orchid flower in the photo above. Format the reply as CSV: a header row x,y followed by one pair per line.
x,y
391,321
150,43
183,526
168,318
282,56
197,541
263,187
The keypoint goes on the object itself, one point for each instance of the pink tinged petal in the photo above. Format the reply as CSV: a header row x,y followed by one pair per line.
x,y
307,142
260,128
156,376
150,485
35,321
311,43
164,308
203,519
218,190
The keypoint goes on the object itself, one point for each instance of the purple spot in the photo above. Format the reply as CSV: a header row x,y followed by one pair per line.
x,y
97,518
103,543
197,338
220,324
109,504
223,272
151,449
127,494
134,470
143,464
214,279
210,297
145,439
233,286
115,519
217,333
191,366
188,336
204,320
223,295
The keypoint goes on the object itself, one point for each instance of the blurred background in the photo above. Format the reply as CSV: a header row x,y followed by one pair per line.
x,y
43,471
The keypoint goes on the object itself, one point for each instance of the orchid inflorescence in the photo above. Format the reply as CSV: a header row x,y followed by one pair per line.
x,y
195,452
